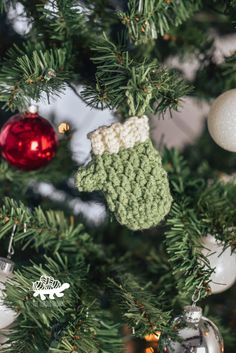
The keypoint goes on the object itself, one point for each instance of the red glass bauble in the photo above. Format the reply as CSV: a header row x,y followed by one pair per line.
x,y
28,141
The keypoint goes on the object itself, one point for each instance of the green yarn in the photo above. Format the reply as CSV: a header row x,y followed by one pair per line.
x,y
134,183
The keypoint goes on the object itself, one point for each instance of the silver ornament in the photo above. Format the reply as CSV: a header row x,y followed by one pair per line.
x,y
195,334
222,120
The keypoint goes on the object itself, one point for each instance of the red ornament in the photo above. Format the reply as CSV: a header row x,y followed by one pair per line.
x,y
28,141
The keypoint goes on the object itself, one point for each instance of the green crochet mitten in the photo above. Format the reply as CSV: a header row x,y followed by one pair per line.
x,y
128,169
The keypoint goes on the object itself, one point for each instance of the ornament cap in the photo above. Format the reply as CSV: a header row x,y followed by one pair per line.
x,y
33,109
6,266
192,314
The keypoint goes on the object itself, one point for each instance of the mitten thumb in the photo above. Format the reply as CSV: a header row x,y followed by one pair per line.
x,y
89,178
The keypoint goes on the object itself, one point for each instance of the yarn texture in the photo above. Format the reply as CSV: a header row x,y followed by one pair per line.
x,y
133,180
117,136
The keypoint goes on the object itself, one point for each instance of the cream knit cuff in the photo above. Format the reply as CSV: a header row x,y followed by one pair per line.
x,y
116,136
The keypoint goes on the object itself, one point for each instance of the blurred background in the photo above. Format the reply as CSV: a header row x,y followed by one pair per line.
x,y
180,129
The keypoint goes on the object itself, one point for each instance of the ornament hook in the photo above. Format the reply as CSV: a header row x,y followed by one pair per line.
x,y
197,294
11,250
140,6
87,312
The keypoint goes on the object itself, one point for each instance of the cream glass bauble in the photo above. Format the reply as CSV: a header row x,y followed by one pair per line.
x,y
7,315
222,120
222,261
4,339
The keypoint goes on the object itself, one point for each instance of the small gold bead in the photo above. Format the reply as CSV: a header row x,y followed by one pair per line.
x,y
63,128
166,36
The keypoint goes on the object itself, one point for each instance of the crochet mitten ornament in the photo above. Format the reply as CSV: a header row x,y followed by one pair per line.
x,y
128,169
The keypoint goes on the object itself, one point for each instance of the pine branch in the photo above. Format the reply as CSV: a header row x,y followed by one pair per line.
x,y
229,70
72,323
139,306
218,207
199,209
221,7
217,78
147,19
183,240
2,6
48,229
186,42
123,82
64,19
95,333
27,73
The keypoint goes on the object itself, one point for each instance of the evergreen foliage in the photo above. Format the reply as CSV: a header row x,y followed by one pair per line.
x,y
117,52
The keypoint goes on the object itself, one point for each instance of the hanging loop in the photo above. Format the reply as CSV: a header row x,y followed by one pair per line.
x,y
197,294
140,6
11,250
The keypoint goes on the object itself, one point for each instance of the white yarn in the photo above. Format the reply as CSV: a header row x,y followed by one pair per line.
x,y
112,138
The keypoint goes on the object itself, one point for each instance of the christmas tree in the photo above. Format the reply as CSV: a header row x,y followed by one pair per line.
x,y
138,280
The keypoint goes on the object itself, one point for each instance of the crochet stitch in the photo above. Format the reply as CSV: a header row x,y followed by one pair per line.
x,y
133,180
117,136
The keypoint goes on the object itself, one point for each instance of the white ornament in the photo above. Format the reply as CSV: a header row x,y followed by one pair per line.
x,y
222,120
222,261
4,338
7,315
